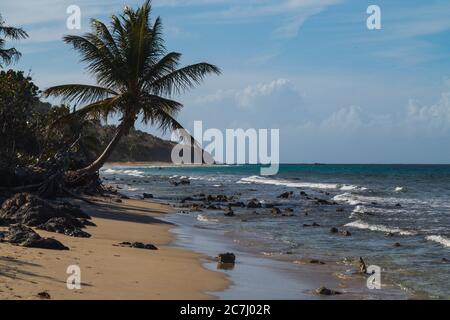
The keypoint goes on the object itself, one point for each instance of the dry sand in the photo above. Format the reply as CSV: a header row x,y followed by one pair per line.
x,y
108,271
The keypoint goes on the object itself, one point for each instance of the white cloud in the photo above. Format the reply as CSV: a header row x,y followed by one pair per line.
x,y
247,96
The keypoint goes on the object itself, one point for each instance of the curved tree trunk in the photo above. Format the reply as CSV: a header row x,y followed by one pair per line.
x,y
122,130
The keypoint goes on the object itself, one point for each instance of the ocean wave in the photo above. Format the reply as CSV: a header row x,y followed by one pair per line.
x,y
133,173
287,183
439,239
399,189
359,209
359,224
349,198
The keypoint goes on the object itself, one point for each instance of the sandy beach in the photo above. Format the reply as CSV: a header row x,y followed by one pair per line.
x,y
109,271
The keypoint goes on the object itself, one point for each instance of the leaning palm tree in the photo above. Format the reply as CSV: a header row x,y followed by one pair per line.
x,y
7,56
136,76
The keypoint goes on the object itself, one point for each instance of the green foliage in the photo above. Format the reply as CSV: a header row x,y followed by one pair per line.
x,y
7,56
18,96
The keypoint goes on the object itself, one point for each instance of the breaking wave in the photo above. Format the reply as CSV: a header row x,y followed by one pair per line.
x,y
364,225
287,183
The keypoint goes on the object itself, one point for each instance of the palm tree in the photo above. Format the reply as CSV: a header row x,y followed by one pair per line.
x,y
7,56
136,76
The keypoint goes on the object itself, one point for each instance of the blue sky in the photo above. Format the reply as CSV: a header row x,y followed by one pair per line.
x,y
338,92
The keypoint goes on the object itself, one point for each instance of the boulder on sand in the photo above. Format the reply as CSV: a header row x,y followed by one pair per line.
x,y
30,210
68,226
26,237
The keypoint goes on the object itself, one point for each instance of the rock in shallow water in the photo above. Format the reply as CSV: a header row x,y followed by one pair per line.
x,y
226,258
327,292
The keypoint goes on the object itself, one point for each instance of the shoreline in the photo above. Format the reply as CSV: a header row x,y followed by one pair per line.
x,y
109,271
307,276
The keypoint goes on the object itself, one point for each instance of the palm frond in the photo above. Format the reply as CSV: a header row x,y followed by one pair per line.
x,y
79,93
182,79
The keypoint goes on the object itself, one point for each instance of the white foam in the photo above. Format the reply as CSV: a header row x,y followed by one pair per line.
x,y
202,218
287,183
348,198
399,189
359,209
364,225
133,173
439,239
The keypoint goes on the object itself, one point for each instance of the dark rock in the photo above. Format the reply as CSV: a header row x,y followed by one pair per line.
x,y
327,292
444,260
324,202
334,230
44,243
124,197
254,204
229,212
138,245
397,244
147,195
44,295
315,261
398,205
303,193
30,210
218,198
339,210
184,181
285,195
346,233
226,258
68,226
118,200
389,234
26,237
315,224
276,210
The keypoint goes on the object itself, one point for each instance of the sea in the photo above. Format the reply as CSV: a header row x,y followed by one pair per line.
x,y
396,217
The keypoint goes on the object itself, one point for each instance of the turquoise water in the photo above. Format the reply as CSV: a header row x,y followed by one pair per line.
x,y
380,205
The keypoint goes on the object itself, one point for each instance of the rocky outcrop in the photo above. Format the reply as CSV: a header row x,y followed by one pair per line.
x,y
24,236
30,210
68,226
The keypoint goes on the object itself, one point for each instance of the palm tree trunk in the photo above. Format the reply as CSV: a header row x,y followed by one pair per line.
x,y
122,130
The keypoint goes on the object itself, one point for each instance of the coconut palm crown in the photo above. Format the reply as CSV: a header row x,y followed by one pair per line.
x,y
136,76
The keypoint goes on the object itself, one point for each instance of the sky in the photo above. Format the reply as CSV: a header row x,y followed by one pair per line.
x,y
338,92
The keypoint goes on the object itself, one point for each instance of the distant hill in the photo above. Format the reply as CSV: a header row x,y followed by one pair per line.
x,y
137,146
